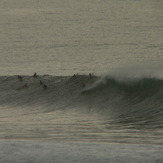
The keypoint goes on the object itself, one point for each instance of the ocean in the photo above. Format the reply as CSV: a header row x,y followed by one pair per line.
x,y
97,95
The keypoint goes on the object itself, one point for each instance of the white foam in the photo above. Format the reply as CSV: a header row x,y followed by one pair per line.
x,y
136,71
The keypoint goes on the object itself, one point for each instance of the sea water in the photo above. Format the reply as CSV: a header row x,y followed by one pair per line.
x,y
119,42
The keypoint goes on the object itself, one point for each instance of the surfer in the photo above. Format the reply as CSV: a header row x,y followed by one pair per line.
x,y
45,86
74,76
34,75
83,85
41,83
91,75
25,85
22,87
20,78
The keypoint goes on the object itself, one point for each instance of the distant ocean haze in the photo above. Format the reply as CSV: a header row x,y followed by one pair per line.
x,y
63,38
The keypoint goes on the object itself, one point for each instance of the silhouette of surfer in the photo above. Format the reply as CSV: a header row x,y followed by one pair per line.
x,y
74,76
35,75
83,85
20,78
91,75
22,87
45,86
41,83
25,85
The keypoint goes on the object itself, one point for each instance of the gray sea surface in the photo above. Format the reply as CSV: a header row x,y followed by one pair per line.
x,y
118,106
61,37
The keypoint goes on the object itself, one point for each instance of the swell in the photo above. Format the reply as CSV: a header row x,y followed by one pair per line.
x,y
136,102
30,90
132,101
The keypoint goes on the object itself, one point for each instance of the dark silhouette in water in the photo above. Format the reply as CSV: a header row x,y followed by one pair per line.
x,y
41,83
45,86
25,85
91,74
22,87
75,75
83,85
20,78
34,75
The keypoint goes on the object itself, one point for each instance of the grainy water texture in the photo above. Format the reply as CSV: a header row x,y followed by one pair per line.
x,y
79,118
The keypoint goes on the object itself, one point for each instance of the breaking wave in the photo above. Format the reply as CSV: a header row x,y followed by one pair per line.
x,y
136,101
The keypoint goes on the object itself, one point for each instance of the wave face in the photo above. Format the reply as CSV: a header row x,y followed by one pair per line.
x,y
132,102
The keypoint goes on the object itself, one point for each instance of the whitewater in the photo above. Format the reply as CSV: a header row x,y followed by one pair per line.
x,y
97,92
